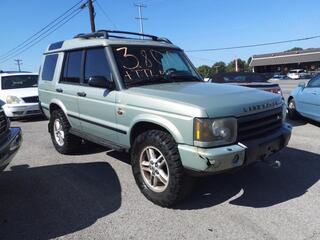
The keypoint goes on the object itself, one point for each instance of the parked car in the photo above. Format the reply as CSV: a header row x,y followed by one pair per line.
x,y
277,77
145,97
10,139
305,100
20,93
245,79
297,73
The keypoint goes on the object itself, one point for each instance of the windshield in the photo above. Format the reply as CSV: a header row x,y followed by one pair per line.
x,y
19,81
139,65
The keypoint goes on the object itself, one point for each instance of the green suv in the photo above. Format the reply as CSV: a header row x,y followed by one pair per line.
x,y
140,93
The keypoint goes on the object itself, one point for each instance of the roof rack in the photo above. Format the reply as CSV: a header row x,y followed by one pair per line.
x,y
106,34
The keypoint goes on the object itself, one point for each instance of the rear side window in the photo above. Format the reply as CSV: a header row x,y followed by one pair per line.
x,y
96,64
72,67
49,67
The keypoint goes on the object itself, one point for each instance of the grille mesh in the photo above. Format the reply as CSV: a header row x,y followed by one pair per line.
x,y
260,124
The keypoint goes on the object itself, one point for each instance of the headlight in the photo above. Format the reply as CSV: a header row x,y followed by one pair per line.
x,y
215,132
13,100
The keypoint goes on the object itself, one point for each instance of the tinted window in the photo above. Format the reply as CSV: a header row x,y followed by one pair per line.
x,y
315,82
96,64
19,81
72,67
49,66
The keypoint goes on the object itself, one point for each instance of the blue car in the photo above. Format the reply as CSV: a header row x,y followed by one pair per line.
x,y
305,100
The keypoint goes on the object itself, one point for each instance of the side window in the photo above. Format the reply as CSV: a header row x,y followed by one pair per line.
x,y
96,64
49,67
315,82
72,67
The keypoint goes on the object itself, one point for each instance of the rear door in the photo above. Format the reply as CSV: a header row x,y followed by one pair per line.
x,y
69,84
97,105
308,101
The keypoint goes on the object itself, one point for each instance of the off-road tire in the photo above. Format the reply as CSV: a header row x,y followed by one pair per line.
x,y
180,184
292,112
71,142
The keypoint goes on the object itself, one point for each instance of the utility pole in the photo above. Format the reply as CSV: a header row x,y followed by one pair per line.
x,y
140,18
19,63
92,15
236,65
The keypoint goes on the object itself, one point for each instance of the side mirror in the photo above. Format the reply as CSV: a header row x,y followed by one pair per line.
x,y
100,82
302,85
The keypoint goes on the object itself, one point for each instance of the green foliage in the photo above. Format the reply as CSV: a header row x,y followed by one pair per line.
x,y
205,71
218,67
221,66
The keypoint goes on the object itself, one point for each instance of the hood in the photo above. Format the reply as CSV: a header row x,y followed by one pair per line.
x,y
216,100
19,92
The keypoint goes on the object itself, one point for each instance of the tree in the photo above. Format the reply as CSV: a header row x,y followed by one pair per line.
x,y
205,71
218,67
242,66
294,49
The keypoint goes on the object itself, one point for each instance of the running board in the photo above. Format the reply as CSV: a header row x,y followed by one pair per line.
x,y
98,140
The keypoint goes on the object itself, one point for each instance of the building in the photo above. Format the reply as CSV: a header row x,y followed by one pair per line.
x,y
282,62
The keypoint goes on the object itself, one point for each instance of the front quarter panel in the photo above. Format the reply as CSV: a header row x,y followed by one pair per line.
x,y
178,125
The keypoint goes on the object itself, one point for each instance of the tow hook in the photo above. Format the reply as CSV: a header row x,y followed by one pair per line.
x,y
273,163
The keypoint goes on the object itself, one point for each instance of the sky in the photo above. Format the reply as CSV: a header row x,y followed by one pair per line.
x,y
189,24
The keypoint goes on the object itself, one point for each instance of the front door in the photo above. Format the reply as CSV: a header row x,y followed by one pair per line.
x,y
309,99
97,105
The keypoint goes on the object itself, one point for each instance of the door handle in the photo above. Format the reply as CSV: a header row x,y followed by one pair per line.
x,y
59,90
81,94
314,93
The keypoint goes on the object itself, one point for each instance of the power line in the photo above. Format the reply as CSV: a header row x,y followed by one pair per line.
x,y
40,36
106,15
254,45
52,31
38,32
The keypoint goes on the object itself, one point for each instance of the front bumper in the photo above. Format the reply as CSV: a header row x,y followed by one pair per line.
x,y
22,110
9,146
215,160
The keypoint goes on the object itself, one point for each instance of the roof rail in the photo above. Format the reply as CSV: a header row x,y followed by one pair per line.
x,y
106,34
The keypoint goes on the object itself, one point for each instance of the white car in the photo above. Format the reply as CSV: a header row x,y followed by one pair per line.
x,y
296,73
19,90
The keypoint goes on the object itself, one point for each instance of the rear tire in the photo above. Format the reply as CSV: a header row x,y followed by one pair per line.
x,y
63,141
292,112
155,158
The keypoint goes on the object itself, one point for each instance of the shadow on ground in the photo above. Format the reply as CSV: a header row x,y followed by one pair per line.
x,y
302,121
259,185
52,201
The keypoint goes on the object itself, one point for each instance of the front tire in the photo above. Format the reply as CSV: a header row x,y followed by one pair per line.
x,y
158,170
63,141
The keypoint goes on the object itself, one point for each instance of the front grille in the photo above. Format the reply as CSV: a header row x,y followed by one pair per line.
x,y
3,122
33,99
260,124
